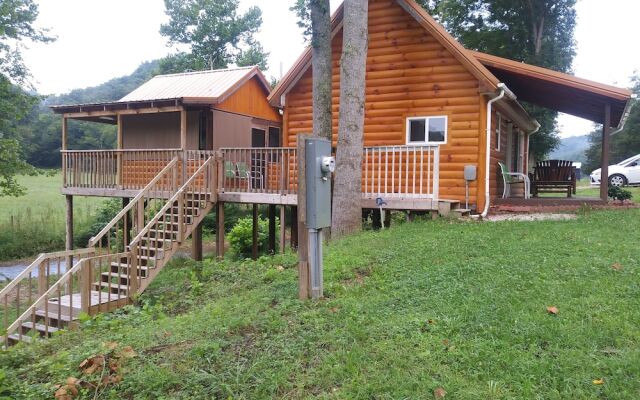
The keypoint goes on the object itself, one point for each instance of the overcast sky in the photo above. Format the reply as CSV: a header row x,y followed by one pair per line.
x,y
99,40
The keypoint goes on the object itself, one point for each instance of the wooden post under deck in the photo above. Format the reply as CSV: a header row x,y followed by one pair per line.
x,y
283,228
196,243
220,230
604,169
294,227
69,230
126,229
254,246
272,229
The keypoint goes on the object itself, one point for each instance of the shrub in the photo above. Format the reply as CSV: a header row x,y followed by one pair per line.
x,y
232,213
241,237
104,214
620,194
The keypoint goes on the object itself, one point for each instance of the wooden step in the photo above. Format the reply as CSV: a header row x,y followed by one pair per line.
x,y
42,329
124,269
16,338
113,287
109,276
53,316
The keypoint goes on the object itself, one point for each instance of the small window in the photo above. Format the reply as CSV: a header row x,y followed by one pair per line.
x,y
498,130
427,130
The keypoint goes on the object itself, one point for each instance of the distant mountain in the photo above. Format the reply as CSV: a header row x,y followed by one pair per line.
x,y
571,148
111,90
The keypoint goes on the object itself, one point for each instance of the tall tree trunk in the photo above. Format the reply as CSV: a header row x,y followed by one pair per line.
x,y
347,197
321,64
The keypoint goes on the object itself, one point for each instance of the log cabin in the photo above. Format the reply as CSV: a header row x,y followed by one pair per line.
x,y
433,108
189,143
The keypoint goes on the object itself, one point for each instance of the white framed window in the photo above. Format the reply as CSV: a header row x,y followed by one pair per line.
x,y
498,130
427,130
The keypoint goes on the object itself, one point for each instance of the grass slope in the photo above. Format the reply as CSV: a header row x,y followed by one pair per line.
x,y
457,305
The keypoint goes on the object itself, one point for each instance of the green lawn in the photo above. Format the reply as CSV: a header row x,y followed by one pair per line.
x,y
437,304
43,196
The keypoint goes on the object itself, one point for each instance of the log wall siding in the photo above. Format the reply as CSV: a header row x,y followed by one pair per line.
x,y
250,100
409,73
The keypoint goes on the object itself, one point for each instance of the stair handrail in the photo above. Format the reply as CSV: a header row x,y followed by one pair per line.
x,y
62,280
96,239
172,200
39,260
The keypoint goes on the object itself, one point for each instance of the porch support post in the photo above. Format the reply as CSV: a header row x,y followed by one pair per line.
x,y
196,243
283,228
64,147
220,230
272,229
119,155
183,129
604,175
254,246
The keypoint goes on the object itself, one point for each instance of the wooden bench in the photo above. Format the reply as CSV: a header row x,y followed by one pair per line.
x,y
553,176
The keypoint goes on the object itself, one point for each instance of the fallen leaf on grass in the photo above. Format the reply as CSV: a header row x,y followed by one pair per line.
x,y
552,310
91,365
439,393
127,352
334,309
617,267
598,381
280,268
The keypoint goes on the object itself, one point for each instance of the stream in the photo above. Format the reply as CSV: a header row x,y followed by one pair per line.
x,y
9,270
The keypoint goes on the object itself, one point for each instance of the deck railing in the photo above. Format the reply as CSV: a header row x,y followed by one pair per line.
x,y
387,171
270,170
401,171
113,169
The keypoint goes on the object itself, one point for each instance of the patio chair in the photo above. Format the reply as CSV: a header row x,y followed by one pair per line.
x,y
554,176
514,178
255,179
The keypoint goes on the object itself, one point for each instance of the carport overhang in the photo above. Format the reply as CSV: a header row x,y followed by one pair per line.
x,y
603,104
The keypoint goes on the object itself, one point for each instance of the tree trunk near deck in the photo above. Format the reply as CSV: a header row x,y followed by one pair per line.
x,y
321,65
347,197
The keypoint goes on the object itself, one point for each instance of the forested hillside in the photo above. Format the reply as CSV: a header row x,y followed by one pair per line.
x,y
39,131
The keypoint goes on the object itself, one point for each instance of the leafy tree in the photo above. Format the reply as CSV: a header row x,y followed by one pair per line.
x,y
622,145
538,32
12,164
17,18
215,32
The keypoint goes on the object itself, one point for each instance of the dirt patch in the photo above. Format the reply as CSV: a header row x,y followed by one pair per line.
x,y
530,217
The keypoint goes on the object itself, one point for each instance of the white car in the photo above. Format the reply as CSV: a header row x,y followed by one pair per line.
x,y
624,173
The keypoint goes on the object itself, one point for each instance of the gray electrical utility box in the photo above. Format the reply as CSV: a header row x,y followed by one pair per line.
x,y
318,165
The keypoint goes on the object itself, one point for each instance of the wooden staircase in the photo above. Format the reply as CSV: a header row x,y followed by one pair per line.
x,y
113,269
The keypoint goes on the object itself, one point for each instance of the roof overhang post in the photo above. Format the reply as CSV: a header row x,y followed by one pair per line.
x,y
119,153
606,136
183,129
64,147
